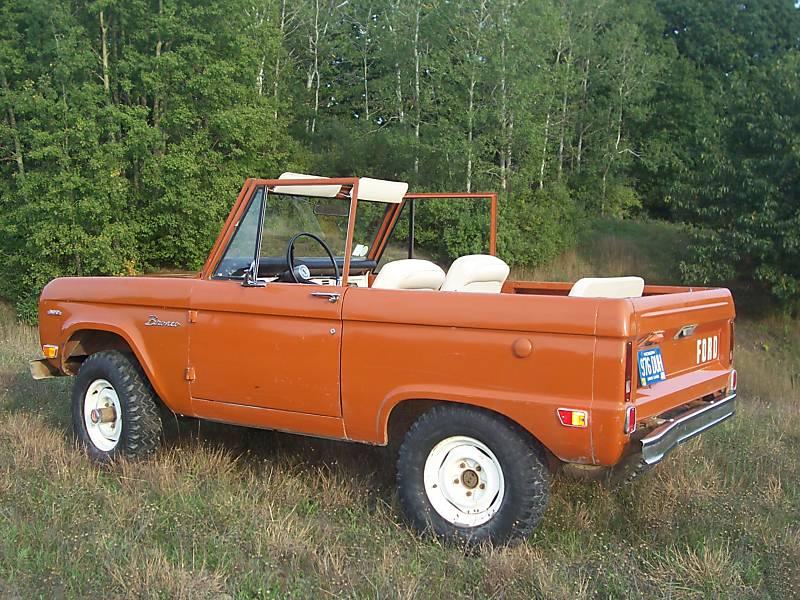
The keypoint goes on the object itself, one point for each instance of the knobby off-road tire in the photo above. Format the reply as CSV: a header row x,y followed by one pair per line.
x,y
114,380
471,476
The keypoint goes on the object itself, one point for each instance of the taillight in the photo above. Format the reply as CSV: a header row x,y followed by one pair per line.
x,y
630,419
573,418
733,331
628,371
733,382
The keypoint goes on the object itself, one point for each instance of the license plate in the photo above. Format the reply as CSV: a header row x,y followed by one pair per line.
x,y
651,366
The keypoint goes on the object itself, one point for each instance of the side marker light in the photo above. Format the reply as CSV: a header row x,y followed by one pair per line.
x,y
573,418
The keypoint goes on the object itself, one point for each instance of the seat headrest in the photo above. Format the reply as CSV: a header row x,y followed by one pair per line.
x,y
409,274
608,287
476,273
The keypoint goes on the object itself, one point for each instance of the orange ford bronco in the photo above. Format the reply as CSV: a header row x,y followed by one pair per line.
x,y
306,318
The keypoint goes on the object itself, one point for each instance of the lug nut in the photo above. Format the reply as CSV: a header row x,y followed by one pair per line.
x,y
478,468
462,466
482,486
469,493
455,480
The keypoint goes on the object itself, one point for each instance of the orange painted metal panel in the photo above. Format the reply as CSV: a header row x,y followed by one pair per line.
x,y
480,311
265,418
385,363
123,305
271,347
278,357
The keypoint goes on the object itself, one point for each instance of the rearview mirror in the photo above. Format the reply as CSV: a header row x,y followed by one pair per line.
x,y
336,208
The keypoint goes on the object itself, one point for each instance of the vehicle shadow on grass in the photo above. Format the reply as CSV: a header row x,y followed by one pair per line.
x,y
49,400
370,466
350,461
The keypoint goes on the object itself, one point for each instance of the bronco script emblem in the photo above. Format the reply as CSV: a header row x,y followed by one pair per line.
x,y
154,321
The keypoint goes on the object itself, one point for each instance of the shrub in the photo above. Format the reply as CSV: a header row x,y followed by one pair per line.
x,y
537,225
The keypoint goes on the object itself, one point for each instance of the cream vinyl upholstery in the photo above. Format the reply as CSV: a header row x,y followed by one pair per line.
x,y
476,273
608,287
316,191
409,274
380,190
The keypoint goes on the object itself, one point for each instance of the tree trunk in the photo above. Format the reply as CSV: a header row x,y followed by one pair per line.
x,y
471,122
398,92
12,124
582,129
104,55
503,117
563,130
276,81
313,78
156,101
260,77
510,142
365,63
398,75
473,80
316,67
544,150
417,100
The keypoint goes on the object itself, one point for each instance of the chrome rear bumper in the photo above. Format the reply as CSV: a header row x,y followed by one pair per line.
x,y
659,442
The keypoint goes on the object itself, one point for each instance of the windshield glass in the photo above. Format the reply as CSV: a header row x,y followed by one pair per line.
x,y
326,218
289,215
286,216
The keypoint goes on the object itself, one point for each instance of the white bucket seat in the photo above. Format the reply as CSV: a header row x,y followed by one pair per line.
x,y
476,273
608,287
409,274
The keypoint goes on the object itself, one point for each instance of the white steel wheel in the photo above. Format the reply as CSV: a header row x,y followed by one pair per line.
x,y
464,481
102,415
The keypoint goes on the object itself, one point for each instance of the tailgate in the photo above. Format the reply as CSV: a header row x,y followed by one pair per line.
x,y
693,332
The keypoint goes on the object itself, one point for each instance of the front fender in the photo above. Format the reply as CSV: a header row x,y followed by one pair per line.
x,y
161,352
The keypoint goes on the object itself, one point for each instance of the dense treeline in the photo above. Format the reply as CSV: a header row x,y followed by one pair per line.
x,y
126,127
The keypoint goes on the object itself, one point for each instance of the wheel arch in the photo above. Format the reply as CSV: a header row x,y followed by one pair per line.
x,y
402,415
85,340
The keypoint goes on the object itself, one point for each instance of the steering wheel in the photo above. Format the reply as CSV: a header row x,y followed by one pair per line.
x,y
293,271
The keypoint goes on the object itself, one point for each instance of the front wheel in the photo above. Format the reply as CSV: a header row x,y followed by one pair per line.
x,y
469,475
114,410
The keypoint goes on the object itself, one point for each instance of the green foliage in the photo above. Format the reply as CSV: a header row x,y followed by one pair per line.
x,y
130,162
126,128
537,226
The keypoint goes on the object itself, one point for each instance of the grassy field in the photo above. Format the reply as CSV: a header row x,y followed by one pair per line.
x,y
230,512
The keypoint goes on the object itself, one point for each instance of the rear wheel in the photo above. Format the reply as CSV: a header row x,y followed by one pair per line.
x,y
114,408
468,475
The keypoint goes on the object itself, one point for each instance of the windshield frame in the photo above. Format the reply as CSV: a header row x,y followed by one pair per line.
x,y
349,192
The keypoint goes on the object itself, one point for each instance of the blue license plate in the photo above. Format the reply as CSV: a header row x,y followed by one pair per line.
x,y
651,366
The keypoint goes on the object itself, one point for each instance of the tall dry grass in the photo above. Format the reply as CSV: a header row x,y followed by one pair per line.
x,y
247,514
616,248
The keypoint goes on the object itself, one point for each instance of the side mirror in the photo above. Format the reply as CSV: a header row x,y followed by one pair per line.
x,y
251,277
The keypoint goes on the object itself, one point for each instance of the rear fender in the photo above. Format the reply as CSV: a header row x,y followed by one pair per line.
x,y
538,417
